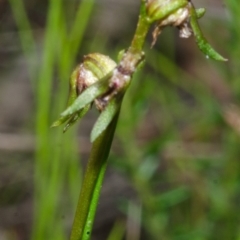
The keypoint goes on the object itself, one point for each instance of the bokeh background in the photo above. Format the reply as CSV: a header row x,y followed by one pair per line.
x,y
174,168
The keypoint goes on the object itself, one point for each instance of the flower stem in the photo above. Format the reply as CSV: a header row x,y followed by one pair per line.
x,y
141,30
92,183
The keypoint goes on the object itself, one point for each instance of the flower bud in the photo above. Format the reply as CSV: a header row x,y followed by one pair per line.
x,y
94,67
157,10
169,13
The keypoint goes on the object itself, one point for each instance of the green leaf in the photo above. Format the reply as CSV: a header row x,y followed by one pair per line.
x,y
60,121
76,117
106,117
201,41
70,119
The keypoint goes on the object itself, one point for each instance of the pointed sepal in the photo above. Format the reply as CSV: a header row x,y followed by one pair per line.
x,y
76,117
70,119
106,117
201,41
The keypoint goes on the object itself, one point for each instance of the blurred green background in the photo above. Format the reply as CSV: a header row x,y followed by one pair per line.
x,y
174,168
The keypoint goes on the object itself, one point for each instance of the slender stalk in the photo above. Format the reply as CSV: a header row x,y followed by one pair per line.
x,y
141,30
92,183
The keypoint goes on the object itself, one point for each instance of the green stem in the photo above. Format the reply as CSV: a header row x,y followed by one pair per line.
x,y
92,183
97,162
141,31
